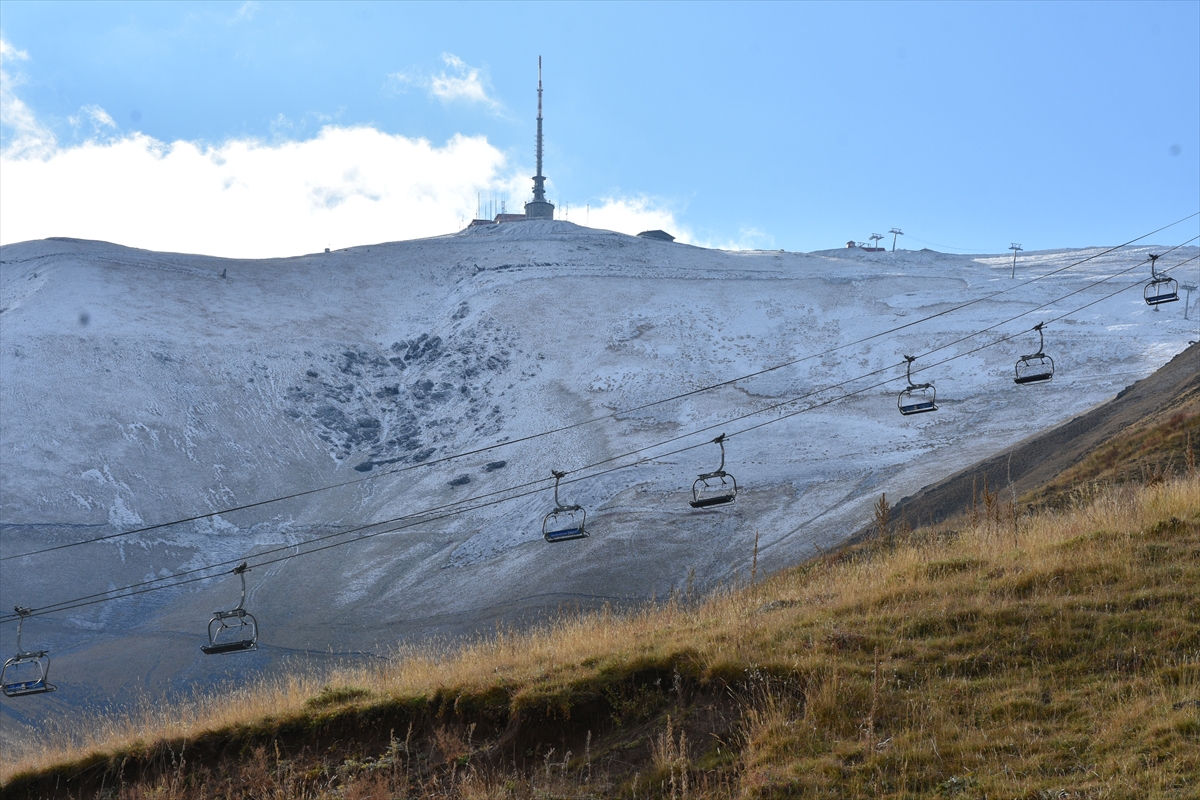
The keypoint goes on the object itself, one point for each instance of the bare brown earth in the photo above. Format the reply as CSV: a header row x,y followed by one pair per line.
x,y
1044,468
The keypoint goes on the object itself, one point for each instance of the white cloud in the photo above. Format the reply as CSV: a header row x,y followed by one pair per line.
x,y
7,52
346,186
633,215
461,82
99,117
22,133
464,84
101,121
284,127
247,10
748,239
252,199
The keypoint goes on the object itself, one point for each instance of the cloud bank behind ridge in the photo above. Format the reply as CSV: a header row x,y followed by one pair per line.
x,y
246,198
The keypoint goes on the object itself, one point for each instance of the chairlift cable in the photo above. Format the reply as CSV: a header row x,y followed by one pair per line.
x,y
454,509
890,367
1050,303
602,418
423,518
999,341
611,469
451,509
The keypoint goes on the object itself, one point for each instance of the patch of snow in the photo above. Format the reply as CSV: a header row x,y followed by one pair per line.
x,y
121,516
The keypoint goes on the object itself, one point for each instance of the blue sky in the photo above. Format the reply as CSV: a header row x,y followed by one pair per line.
x,y
777,125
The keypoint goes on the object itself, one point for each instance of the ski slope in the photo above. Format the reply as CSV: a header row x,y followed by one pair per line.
x,y
141,387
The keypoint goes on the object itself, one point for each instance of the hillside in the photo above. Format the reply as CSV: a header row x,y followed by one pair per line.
x,y
1046,653
1050,656
1147,430
144,387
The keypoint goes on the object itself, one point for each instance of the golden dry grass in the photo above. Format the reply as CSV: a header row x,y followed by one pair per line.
x,y
1057,656
1152,450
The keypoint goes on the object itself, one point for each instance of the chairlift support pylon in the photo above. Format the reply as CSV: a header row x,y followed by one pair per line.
x,y
235,630
706,494
1161,288
564,523
1037,366
917,398
26,672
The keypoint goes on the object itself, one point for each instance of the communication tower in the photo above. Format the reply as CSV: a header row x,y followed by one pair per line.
x,y
539,208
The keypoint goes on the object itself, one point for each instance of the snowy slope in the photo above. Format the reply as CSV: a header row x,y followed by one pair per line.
x,y
139,387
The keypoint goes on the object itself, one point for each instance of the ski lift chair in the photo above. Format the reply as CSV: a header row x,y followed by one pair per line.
x,y
564,523
233,631
714,488
918,398
26,672
1036,367
1161,288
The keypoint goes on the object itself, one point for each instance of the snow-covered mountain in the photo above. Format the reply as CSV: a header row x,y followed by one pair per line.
x,y
140,387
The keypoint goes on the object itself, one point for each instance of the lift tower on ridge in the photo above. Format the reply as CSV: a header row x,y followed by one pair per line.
x,y
539,208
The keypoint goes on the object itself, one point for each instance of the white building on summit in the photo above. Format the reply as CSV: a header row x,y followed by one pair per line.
x,y
539,208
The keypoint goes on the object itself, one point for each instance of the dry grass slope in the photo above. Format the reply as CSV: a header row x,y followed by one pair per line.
x,y
1055,656
1145,453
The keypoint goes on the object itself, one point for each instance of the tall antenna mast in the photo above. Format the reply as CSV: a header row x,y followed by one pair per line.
x,y
539,208
538,192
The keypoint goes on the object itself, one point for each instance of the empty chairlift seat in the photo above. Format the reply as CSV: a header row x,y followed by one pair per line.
x,y
1036,367
1161,288
26,672
918,398
235,630
563,523
715,488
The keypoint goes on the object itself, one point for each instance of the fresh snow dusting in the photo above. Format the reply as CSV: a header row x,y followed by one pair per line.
x,y
141,387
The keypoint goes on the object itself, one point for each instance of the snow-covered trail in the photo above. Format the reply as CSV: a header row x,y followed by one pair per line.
x,y
141,387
